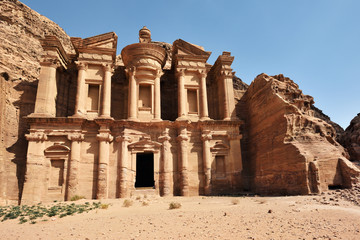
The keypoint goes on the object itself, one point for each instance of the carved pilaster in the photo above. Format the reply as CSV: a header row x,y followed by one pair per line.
x,y
157,95
80,90
206,137
183,142
36,136
75,157
165,163
181,94
123,165
204,112
132,99
104,137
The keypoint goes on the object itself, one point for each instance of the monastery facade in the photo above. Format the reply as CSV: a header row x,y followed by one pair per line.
x,y
105,127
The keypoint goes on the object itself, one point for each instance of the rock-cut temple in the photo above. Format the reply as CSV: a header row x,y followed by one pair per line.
x,y
104,127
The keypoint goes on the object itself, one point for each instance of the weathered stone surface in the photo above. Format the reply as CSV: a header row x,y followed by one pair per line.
x,y
286,149
350,139
20,53
319,114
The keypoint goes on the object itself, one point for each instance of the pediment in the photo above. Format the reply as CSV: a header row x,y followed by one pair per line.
x,y
57,149
181,47
106,40
220,146
145,145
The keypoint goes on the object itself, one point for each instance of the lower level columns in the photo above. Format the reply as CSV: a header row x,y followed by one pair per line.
x,y
206,137
104,139
183,142
165,187
75,156
35,186
123,166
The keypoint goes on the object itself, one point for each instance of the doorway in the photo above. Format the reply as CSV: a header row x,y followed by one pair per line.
x,y
144,170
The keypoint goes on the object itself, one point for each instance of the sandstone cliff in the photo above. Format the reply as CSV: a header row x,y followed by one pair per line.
x,y
286,149
351,139
20,51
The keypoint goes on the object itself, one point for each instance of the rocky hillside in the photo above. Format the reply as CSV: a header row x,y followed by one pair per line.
x,y
20,51
351,138
287,149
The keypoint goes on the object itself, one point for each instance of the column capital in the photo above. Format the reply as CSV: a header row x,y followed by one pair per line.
x,y
183,135
123,138
180,72
104,136
131,71
226,73
50,62
202,73
81,65
76,136
36,136
234,136
107,67
165,136
159,73
206,135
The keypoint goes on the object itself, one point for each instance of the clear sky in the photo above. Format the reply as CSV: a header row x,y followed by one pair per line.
x,y
314,42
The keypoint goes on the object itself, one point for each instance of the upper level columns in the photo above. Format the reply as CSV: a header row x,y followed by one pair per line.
x,y
204,112
106,98
132,108
181,94
229,101
46,93
157,95
80,91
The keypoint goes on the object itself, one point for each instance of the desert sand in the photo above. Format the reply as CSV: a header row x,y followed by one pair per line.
x,y
327,216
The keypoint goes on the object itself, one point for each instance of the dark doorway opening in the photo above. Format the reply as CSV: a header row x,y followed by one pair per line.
x,y
144,170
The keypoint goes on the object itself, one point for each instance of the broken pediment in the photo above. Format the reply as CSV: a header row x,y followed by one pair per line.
x,y
185,49
101,44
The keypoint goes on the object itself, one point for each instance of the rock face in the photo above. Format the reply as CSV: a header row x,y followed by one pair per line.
x,y
20,51
319,114
350,139
286,149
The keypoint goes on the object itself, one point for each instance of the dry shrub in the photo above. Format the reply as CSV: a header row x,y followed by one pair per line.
x,y
235,201
76,197
174,205
127,203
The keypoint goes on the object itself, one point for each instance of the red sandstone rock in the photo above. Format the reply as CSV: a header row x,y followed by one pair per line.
x,y
350,139
288,150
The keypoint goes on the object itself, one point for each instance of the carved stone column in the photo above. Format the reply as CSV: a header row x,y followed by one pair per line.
x,y
183,144
80,91
106,99
46,93
181,94
35,185
132,109
123,166
229,102
204,112
206,137
75,157
157,95
165,164
104,139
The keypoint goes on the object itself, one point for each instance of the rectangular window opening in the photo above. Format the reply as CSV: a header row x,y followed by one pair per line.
x,y
57,173
220,166
144,96
93,98
192,101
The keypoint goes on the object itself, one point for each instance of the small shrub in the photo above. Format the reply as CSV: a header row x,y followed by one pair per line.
x,y
76,197
174,205
127,203
138,198
104,206
145,203
235,201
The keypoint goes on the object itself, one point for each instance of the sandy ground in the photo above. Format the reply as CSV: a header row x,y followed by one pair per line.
x,y
297,217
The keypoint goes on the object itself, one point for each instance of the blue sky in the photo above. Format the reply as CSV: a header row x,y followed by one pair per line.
x,y
314,42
